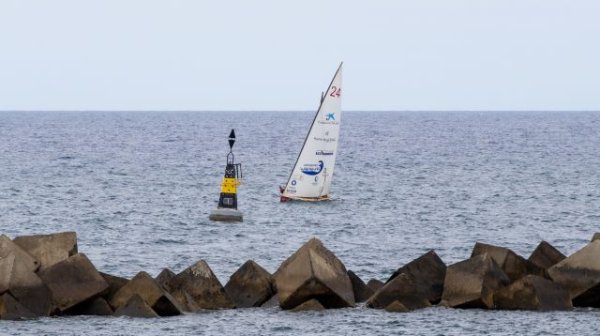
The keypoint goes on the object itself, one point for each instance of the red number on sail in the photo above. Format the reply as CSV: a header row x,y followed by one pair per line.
x,y
335,91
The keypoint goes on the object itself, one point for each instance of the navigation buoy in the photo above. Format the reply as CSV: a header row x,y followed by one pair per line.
x,y
227,210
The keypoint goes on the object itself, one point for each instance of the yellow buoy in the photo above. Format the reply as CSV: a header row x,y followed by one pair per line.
x,y
227,210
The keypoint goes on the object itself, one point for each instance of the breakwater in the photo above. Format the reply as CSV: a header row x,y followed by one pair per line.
x,y
47,275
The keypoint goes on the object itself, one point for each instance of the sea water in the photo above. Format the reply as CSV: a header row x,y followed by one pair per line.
x,y
138,187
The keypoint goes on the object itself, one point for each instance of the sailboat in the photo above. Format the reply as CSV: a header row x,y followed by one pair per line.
x,y
310,179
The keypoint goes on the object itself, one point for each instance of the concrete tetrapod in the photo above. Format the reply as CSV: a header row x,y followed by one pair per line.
x,y
164,276
250,286
49,249
11,309
313,272
114,284
312,304
580,274
375,284
471,283
24,285
73,281
199,283
7,247
146,287
136,307
424,280
404,288
97,307
396,307
533,293
511,263
545,256
362,292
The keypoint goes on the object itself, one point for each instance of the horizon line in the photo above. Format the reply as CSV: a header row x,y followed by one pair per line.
x,y
292,111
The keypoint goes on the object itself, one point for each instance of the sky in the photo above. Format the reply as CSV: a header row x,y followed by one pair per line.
x,y
279,55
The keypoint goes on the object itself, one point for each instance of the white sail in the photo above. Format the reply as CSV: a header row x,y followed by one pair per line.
x,y
312,174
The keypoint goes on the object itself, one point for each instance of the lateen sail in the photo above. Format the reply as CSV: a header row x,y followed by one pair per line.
x,y
311,177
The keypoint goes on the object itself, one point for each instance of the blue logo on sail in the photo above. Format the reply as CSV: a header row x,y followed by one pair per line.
x,y
330,116
312,169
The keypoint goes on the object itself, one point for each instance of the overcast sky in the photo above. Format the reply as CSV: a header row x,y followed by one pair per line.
x,y
280,55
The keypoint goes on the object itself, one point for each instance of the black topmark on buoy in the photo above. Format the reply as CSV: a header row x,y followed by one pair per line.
x,y
231,140
227,209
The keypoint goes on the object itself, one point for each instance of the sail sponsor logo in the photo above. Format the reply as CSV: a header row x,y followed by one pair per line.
x,y
312,169
325,139
291,187
324,152
329,119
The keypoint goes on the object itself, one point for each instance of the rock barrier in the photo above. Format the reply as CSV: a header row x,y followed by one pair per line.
x,y
46,275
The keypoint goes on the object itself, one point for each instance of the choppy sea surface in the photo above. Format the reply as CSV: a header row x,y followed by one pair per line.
x,y
137,187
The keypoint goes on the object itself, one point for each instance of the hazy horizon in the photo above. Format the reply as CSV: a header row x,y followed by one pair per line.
x,y
301,111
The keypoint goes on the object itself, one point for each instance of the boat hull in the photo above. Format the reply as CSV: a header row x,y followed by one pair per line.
x,y
305,199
